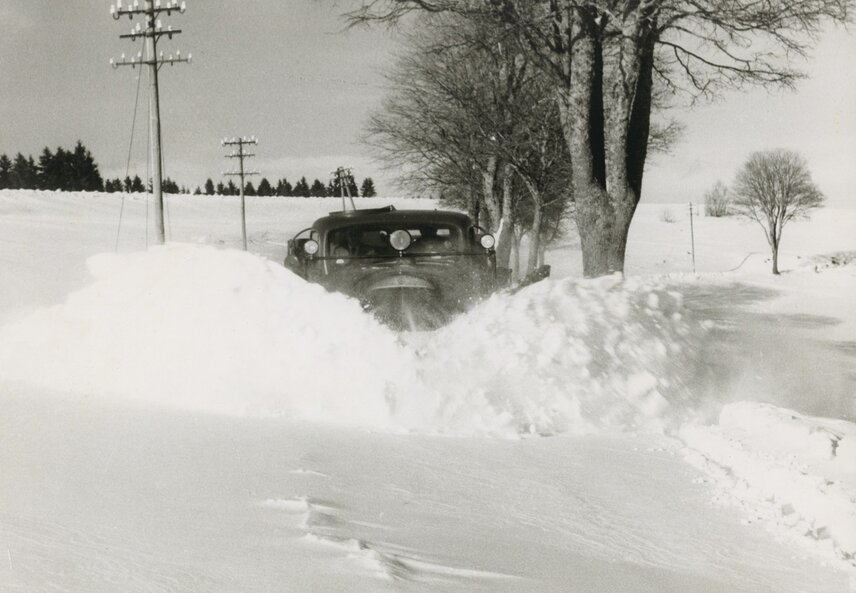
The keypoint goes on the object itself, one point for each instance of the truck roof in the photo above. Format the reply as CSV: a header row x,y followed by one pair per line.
x,y
390,215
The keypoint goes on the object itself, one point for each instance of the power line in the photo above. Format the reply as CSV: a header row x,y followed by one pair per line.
x,y
151,33
241,172
344,177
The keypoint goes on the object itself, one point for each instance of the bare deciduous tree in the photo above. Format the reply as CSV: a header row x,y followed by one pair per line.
x,y
605,58
469,114
772,188
717,200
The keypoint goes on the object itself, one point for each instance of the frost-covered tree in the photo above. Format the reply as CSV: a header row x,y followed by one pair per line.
x,y
772,188
249,189
209,187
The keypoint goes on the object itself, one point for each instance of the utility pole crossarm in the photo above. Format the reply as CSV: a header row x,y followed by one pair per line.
x,y
118,11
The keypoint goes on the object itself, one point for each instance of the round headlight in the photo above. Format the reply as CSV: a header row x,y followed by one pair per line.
x,y
400,240
487,241
310,247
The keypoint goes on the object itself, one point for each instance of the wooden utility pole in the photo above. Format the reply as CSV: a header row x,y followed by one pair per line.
x,y
692,235
343,176
151,33
241,172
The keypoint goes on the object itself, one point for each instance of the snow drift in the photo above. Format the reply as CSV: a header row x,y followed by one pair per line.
x,y
226,332
796,472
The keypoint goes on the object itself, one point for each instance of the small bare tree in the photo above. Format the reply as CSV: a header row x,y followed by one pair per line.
x,y
717,200
772,188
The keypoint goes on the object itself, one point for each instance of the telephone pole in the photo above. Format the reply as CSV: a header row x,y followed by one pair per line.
x,y
692,235
241,172
151,32
343,176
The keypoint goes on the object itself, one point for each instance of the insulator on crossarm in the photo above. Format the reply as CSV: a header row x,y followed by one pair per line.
x,y
159,25
189,58
183,7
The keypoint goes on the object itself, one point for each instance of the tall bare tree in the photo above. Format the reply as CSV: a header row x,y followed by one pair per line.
x,y
466,116
604,57
773,188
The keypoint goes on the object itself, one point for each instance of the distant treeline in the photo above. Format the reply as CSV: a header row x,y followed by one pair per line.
x,y
301,189
76,170
66,170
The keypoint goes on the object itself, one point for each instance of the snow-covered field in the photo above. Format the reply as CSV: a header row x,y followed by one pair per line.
x,y
194,418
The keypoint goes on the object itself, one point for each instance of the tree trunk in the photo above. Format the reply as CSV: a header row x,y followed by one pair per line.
x,y
534,239
581,108
514,264
498,209
503,231
488,192
606,116
773,240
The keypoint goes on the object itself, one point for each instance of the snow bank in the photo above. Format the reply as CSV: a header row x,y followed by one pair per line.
x,y
566,356
214,330
226,332
796,472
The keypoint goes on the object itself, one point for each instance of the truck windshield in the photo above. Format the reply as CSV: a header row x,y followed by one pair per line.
x,y
368,241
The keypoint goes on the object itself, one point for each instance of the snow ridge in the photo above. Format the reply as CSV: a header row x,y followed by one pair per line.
x,y
322,528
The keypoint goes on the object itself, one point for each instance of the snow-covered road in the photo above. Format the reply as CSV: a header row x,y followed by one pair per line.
x,y
172,427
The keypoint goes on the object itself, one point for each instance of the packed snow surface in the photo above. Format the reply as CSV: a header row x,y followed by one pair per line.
x,y
193,417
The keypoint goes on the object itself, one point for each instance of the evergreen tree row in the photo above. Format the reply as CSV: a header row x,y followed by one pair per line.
x,y
76,170
66,170
135,185
301,189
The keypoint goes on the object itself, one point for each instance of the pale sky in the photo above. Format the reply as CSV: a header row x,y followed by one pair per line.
x,y
287,72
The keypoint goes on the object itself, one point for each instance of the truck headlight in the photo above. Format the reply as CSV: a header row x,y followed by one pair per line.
x,y
400,240
310,247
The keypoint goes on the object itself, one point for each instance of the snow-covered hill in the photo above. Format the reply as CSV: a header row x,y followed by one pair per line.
x,y
194,418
